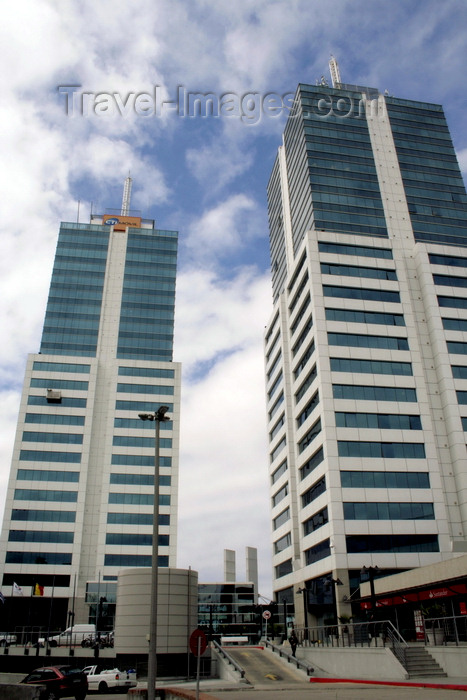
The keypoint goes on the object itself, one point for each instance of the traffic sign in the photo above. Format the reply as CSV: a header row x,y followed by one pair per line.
x,y
198,643
267,614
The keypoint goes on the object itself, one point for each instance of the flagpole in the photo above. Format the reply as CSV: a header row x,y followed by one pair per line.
x,y
47,648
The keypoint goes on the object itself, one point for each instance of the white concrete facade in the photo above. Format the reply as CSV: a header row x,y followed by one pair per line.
x,y
81,485
311,533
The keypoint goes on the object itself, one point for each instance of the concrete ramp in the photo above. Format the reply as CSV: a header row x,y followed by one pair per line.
x,y
264,668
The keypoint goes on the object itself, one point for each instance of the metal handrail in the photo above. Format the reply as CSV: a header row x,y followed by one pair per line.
x,y
228,658
451,629
351,634
291,659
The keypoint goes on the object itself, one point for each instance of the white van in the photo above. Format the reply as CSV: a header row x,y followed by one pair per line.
x,y
72,635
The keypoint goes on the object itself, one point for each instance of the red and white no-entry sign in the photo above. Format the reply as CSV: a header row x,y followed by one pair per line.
x,y
267,615
198,642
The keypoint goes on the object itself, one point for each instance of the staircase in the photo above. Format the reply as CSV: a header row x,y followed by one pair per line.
x,y
418,662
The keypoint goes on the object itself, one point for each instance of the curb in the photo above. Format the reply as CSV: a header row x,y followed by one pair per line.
x,y
405,684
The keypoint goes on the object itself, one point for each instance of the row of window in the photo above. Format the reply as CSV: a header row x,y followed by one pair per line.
x,y
138,499
46,475
357,340
52,536
135,540
341,364
61,438
382,450
47,456
388,511
124,560
46,558
361,544
390,421
356,271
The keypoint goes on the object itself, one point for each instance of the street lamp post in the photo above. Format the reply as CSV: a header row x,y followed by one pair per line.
x,y
158,417
370,572
304,592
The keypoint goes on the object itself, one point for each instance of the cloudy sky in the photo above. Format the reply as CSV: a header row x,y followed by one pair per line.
x,y
93,90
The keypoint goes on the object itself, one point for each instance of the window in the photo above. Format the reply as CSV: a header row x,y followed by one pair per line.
x,y
306,385
122,560
355,271
373,393
62,438
140,460
281,518
302,337
278,449
311,463
281,469
363,294
280,495
384,450
44,516
313,492
139,479
57,558
388,511
138,499
359,544
146,372
136,540
304,360
362,251
282,543
316,521
355,340
52,536
36,495
161,389
309,408
393,421
319,551
455,324
60,367
136,441
54,419
44,456
310,436
385,480
46,475
375,317
136,519
275,386
283,569
457,348
340,364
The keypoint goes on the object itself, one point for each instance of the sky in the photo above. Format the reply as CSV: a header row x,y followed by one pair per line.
x,y
91,91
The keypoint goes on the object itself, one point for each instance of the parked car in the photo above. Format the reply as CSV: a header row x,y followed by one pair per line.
x,y
6,639
72,635
104,679
60,682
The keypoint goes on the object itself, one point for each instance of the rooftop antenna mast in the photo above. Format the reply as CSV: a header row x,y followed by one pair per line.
x,y
335,74
126,196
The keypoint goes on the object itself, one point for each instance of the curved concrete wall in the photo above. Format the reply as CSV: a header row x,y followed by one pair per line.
x,y
177,613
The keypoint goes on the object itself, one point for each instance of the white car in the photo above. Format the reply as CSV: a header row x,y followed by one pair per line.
x,y
104,679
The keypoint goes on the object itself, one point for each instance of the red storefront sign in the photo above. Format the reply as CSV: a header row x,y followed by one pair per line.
x,y
429,594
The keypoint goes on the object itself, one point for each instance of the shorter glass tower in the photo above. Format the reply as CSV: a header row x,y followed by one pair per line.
x,y
80,496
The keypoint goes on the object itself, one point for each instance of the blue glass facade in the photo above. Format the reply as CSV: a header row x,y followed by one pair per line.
x,y
76,295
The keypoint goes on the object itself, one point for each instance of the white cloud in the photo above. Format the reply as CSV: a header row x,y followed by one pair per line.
x,y
212,181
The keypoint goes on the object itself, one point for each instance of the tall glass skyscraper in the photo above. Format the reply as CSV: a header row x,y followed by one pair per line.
x,y
366,352
80,496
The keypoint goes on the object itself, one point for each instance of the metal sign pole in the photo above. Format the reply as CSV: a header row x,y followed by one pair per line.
x,y
198,664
